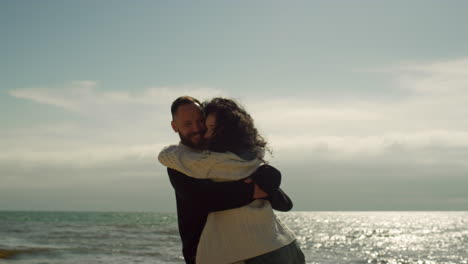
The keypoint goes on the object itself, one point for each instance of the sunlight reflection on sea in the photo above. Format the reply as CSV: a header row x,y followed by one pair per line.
x,y
382,237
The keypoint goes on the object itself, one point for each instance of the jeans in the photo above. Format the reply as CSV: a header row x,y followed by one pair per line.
x,y
290,254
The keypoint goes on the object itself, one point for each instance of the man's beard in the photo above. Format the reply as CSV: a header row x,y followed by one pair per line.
x,y
186,141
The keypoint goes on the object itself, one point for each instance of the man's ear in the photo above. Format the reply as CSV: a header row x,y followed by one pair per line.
x,y
174,127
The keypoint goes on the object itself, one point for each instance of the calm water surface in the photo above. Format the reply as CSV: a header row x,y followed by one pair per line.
x,y
325,237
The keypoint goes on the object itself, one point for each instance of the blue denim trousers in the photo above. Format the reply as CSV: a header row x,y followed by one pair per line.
x,y
290,254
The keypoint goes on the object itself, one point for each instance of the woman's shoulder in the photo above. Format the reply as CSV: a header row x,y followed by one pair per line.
x,y
179,148
183,152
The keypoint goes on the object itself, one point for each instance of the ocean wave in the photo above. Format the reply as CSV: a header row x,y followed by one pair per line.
x,y
400,260
14,253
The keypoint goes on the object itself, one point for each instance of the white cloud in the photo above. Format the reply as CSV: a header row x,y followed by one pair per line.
x,y
447,77
85,97
427,123
113,125
355,147
79,155
121,124
114,136
68,98
296,109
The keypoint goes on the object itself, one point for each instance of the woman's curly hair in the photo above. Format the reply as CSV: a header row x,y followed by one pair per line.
x,y
235,130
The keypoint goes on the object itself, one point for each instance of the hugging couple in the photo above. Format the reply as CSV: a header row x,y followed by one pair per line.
x,y
225,190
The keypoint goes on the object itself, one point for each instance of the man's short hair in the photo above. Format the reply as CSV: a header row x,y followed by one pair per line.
x,y
181,101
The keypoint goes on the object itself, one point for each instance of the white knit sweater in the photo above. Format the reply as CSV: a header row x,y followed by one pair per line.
x,y
232,235
198,164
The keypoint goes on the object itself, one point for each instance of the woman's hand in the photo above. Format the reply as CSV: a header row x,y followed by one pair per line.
x,y
258,192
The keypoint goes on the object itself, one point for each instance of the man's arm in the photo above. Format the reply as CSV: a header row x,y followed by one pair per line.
x,y
218,196
213,196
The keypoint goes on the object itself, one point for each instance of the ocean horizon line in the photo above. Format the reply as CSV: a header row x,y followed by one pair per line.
x,y
174,212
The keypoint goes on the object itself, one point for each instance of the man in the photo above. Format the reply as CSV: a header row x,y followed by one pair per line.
x,y
197,198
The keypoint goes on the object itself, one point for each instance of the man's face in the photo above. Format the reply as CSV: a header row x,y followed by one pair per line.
x,y
188,122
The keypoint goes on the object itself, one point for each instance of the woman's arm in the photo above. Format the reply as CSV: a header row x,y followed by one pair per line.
x,y
207,165
269,180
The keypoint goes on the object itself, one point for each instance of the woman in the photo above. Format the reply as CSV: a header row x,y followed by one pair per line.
x,y
249,234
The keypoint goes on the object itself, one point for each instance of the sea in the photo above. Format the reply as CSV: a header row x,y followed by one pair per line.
x,y
147,237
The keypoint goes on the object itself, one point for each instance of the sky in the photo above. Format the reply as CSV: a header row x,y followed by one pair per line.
x,y
362,102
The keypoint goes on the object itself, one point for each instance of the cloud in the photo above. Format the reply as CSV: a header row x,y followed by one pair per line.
x,y
445,149
111,125
114,137
312,111
85,97
80,157
421,126
380,143
447,77
425,126
69,98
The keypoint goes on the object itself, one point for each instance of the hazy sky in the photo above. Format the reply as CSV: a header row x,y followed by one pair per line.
x,y
363,102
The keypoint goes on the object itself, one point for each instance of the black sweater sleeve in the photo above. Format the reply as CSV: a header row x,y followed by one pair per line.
x,y
209,195
269,180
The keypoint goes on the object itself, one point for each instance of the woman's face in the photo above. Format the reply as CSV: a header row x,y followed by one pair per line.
x,y
210,123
